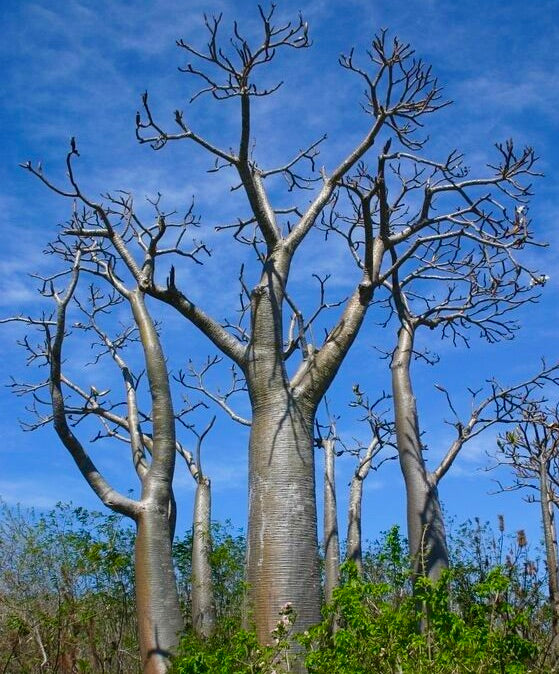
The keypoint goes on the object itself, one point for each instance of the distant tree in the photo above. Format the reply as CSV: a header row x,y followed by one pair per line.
x,y
459,286
227,562
331,537
426,527
531,451
381,435
203,600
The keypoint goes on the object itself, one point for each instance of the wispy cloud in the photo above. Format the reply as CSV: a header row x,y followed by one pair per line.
x,y
77,68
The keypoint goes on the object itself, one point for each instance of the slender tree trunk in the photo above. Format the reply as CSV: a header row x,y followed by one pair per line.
x,y
550,538
354,546
159,616
203,604
331,538
354,541
426,530
157,603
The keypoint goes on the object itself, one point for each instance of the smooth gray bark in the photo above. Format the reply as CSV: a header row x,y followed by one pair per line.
x,y
157,603
203,604
426,530
159,617
282,541
331,537
282,553
354,550
550,539
354,540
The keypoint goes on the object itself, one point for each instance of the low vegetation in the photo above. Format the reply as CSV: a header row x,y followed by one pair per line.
x,y
67,605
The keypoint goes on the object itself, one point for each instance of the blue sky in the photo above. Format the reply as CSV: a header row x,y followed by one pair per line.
x,y
78,68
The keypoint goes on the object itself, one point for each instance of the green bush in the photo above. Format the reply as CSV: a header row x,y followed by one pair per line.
x,y
364,631
236,651
67,598
66,592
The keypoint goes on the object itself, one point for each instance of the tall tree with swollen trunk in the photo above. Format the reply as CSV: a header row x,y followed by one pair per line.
x,y
282,561
374,209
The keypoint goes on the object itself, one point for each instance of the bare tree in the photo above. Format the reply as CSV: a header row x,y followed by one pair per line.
x,y
282,558
502,404
479,286
330,529
381,432
128,428
381,435
203,601
282,564
531,451
153,451
462,274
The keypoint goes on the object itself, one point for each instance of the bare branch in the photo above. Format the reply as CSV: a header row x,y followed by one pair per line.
x,y
221,399
504,405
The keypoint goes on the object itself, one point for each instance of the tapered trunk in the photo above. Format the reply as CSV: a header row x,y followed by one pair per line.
x,y
331,538
550,539
426,530
282,541
354,550
203,604
354,547
159,618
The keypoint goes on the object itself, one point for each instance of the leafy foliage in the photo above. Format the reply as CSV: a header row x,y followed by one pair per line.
x,y
472,621
67,605
237,651
66,592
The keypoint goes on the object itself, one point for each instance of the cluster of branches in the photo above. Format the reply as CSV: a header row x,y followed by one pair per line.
x,y
440,248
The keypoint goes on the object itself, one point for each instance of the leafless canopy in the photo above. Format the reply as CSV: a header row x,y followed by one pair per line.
x,y
532,446
444,245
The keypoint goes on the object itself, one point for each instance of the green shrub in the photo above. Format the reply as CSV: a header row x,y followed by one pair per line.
x,y
364,631
236,651
371,634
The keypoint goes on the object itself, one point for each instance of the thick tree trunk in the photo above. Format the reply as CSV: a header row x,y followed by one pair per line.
x,y
282,555
426,530
550,539
282,541
159,618
331,538
203,604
